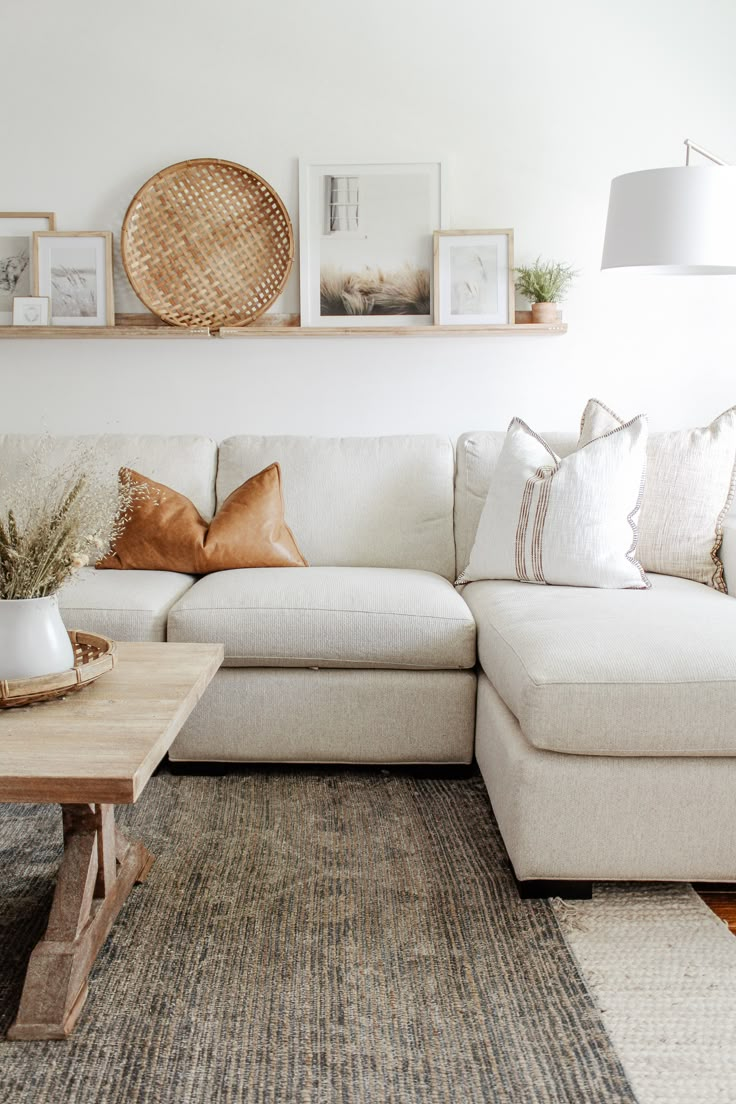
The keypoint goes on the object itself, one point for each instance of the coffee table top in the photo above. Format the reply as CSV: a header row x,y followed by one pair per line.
x,y
102,744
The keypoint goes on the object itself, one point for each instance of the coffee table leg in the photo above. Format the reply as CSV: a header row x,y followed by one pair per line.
x,y
99,867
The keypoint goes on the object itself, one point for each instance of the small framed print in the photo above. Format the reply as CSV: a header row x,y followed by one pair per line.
x,y
473,277
74,269
31,310
16,255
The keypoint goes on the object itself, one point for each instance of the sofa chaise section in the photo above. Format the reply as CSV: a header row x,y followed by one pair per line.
x,y
605,728
613,672
605,817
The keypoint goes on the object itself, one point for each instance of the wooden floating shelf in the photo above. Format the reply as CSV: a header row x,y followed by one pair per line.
x,y
133,326
287,325
147,327
533,329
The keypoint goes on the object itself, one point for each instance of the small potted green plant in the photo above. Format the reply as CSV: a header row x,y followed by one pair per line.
x,y
544,284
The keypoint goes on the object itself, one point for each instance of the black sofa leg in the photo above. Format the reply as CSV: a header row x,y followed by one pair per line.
x,y
568,891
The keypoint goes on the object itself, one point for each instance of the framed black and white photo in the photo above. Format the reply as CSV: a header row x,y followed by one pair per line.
x,y
74,270
365,238
16,255
474,277
30,310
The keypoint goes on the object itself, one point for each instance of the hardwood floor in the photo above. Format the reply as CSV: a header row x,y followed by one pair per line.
x,y
723,903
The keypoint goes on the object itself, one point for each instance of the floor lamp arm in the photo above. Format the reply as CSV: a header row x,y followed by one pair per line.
x,y
703,153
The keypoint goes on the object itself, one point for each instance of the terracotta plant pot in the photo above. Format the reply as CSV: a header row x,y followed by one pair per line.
x,y
544,312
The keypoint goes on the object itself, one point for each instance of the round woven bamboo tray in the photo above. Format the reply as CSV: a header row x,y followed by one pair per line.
x,y
207,243
93,656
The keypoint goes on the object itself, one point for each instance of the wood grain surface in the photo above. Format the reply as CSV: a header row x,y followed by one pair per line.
x,y
101,745
723,904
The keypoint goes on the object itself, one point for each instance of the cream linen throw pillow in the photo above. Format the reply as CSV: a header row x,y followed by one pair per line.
x,y
689,490
571,521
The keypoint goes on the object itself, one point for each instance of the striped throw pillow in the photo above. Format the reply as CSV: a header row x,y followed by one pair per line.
x,y
569,521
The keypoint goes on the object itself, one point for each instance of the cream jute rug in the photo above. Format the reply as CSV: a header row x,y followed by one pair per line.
x,y
662,970
313,937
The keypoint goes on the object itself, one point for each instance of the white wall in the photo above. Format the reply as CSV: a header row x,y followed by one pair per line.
x,y
538,105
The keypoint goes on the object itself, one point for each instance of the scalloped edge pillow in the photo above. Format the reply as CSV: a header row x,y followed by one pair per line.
x,y
691,475
568,521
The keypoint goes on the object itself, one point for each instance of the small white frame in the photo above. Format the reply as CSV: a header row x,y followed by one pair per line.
x,y
31,310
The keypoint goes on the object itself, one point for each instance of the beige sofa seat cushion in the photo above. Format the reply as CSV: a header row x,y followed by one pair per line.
x,y
604,672
329,617
123,605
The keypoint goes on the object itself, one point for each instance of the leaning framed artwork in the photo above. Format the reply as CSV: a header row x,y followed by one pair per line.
x,y
365,238
16,255
74,269
473,277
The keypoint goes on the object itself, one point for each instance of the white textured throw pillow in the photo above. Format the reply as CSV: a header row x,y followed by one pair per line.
x,y
689,490
571,521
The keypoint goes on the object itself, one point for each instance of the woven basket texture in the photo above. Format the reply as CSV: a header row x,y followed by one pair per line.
x,y
207,243
93,656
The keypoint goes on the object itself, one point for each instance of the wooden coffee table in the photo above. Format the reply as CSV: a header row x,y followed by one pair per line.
x,y
89,752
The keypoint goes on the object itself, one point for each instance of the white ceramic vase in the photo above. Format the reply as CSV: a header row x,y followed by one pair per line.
x,y
33,639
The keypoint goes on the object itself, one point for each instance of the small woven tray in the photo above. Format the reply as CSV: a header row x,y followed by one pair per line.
x,y
207,243
93,656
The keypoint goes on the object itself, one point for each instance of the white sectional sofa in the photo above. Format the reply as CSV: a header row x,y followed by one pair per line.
x,y
602,721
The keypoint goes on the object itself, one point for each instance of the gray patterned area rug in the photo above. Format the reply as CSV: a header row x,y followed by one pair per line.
x,y
310,936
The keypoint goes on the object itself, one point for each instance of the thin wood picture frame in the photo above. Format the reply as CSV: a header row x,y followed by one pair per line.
x,y
74,269
474,278
16,255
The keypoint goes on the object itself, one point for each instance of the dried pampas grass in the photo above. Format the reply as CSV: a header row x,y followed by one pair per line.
x,y
54,520
373,291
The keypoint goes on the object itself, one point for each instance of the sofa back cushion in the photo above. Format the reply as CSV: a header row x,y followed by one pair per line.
x,y
186,463
477,456
357,501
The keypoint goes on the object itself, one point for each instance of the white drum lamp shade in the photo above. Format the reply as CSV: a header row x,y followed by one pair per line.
x,y
676,221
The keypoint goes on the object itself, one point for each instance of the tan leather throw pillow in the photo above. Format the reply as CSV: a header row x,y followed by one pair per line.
x,y
167,533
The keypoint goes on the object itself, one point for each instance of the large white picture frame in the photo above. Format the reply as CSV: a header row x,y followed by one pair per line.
x,y
365,240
